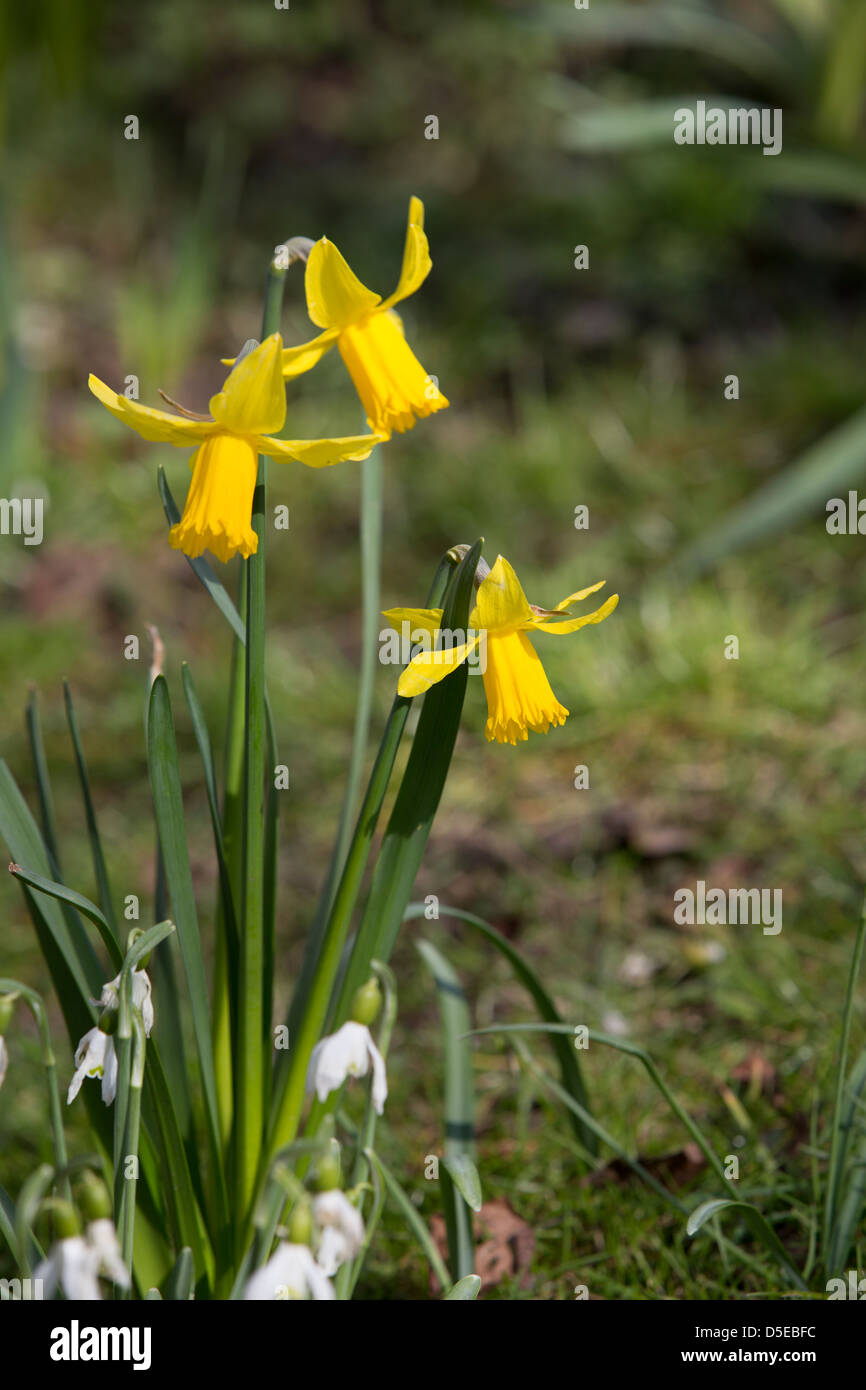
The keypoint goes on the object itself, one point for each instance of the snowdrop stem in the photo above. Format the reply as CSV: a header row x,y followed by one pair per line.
x,y
128,1170
37,1008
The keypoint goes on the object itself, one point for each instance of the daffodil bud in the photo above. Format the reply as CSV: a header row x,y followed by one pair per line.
x,y
367,1002
329,1169
301,1223
7,1009
67,1222
95,1197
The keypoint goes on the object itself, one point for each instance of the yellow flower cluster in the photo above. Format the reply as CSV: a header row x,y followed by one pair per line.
x,y
246,417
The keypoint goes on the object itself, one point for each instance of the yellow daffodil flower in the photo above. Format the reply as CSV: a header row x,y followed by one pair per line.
x,y
393,386
518,692
244,416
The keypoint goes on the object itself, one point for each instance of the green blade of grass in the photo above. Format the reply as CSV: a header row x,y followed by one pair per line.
x,y
461,1186
572,1077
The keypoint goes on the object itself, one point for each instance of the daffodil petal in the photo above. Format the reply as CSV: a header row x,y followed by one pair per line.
x,y
422,619
320,453
155,425
579,596
416,256
572,624
428,668
297,360
335,295
501,603
253,398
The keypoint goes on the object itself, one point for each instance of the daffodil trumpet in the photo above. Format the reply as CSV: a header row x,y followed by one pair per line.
x,y
244,418
394,388
519,696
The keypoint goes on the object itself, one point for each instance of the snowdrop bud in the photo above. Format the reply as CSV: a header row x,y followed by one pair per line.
x,y
95,1197
66,1219
366,1002
328,1169
7,1008
301,1223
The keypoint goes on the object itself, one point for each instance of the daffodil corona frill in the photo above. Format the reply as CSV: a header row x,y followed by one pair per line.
x,y
393,386
244,416
518,692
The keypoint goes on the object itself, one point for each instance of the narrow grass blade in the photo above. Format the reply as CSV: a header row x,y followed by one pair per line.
x,y
758,1226
407,1210
572,1078
826,470
461,1186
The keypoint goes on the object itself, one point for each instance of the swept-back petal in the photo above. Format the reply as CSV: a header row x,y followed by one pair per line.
x,y
335,295
155,425
320,453
253,398
579,596
501,604
297,360
572,624
428,668
422,619
416,256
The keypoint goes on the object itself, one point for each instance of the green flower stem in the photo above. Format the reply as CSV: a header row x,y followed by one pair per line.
x,y
126,1219
349,1273
250,1056
309,1009
37,1008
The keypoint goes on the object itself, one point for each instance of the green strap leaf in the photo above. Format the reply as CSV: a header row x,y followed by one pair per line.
x,y
168,805
464,1290
417,799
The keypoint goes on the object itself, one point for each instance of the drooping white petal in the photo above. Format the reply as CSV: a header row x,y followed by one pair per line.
x,y
4,1060
141,997
74,1265
348,1052
102,1238
342,1229
290,1273
95,1056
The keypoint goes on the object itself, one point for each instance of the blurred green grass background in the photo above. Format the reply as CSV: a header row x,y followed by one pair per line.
x,y
601,387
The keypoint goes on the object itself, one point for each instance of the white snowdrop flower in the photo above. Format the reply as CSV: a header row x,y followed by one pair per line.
x,y
348,1052
102,1239
290,1273
342,1233
95,1056
4,1060
141,997
72,1264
